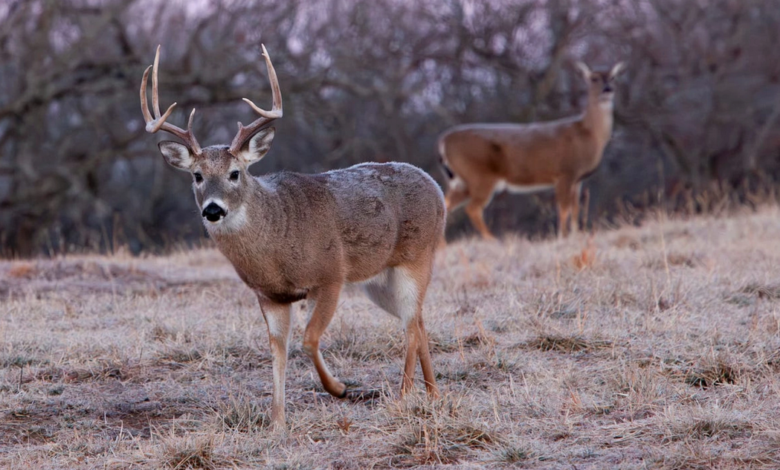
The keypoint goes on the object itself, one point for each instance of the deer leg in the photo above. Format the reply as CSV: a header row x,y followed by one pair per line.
x,y
475,209
425,357
416,337
277,318
563,194
324,306
457,194
412,338
400,291
575,208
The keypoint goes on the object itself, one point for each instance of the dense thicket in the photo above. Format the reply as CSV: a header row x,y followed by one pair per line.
x,y
365,81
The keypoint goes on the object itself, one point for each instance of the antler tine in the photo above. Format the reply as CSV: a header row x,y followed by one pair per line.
x,y
158,122
276,111
153,124
155,89
144,102
277,91
246,132
189,125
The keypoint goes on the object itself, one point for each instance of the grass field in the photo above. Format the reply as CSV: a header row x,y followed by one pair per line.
x,y
651,347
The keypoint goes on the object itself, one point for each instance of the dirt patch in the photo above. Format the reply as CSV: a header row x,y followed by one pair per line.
x,y
132,414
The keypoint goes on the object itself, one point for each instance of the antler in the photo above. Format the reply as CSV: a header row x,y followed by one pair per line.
x,y
244,133
154,124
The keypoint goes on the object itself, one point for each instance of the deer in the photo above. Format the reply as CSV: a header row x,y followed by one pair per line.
x,y
482,159
293,236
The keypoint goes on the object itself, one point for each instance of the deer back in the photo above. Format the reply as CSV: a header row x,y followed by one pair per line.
x,y
341,226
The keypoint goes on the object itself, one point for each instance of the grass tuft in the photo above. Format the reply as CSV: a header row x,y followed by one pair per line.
x,y
513,454
242,414
712,373
762,291
566,343
188,452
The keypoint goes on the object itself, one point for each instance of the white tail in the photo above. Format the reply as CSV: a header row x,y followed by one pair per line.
x,y
292,236
484,158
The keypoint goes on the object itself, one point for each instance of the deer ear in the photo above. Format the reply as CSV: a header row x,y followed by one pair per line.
x,y
617,70
177,155
257,146
584,70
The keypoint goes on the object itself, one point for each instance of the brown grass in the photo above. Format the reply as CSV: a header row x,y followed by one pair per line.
x,y
642,347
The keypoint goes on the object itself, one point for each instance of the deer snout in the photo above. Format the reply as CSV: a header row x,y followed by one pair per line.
x,y
608,89
213,212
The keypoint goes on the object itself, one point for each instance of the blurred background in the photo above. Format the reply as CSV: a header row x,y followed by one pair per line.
x,y
697,109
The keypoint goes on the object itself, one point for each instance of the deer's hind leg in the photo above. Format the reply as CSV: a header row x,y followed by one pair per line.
x,y
475,210
565,196
457,194
575,208
322,306
401,291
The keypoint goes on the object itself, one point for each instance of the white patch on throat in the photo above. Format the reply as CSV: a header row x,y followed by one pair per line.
x,y
233,222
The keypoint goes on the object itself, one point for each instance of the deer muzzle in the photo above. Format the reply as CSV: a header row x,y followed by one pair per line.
x,y
213,212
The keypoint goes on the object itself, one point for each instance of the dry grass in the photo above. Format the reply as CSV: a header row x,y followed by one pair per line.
x,y
649,347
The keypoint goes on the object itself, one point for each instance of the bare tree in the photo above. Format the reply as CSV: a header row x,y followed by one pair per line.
x,y
368,81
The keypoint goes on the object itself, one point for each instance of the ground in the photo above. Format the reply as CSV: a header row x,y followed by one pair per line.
x,y
637,347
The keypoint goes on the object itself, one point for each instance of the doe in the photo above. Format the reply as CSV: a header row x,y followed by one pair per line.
x,y
481,159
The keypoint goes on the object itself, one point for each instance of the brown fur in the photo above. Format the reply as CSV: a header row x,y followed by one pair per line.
x,y
305,236
292,236
557,154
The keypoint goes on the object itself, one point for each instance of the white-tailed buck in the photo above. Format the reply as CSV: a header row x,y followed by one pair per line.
x,y
481,159
293,236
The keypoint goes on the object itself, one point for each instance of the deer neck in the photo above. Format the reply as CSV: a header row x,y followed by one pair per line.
x,y
251,222
598,119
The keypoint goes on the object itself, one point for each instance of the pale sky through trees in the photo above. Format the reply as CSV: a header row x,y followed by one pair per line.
x,y
367,81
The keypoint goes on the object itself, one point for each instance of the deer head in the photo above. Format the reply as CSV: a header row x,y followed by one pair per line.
x,y
600,83
221,182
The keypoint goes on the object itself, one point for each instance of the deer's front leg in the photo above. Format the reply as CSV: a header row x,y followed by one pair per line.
x,y
277,318
325,299
564,193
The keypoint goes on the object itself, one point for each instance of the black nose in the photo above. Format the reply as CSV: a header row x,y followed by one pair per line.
x,y
608,89
213,212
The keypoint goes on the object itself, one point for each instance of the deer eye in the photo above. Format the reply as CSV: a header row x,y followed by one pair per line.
x,y
234,175
594,79
198,177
